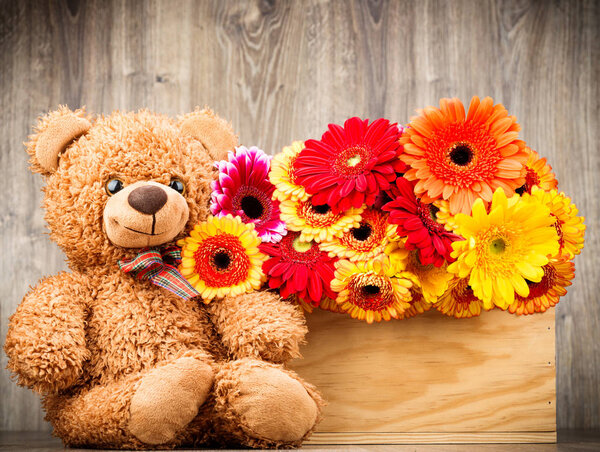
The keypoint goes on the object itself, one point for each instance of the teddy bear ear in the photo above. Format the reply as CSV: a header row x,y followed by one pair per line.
x,y
215,134
54,133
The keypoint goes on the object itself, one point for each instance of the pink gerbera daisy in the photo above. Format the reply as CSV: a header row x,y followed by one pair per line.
x,y
417,222
243,189
350,165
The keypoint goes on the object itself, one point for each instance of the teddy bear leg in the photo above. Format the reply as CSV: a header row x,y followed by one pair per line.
x,y
141,410
265,405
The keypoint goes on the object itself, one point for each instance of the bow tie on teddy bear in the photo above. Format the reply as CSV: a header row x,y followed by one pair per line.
x,y
160,267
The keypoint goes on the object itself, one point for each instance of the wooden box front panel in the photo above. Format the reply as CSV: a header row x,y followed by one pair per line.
x,y
433,379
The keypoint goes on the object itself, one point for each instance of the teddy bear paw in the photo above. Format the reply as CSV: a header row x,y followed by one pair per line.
x,y
274,407
168,398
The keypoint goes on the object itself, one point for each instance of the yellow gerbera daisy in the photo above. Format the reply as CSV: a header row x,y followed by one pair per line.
x,y
317,223
221,257
569,226
364,241
538,173
282,174
432,281
504,248
370,291
558,274
459,300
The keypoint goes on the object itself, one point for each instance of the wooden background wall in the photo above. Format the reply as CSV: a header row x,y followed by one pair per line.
x,y
282,71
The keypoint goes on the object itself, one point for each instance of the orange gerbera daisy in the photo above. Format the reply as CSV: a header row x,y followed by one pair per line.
x,y
569,227
462,158
558,274
459,300
538,174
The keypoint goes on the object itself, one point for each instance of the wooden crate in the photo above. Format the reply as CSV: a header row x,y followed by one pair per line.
x,y
433,379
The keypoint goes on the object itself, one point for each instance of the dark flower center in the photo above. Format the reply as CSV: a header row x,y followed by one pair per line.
x,y
322,209
370,290
252,207
461,154
221,260
433,210
363,232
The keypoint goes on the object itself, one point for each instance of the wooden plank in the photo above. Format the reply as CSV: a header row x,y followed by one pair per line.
x,y
495,373
360,438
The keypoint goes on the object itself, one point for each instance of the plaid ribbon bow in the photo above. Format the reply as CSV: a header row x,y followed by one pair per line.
x,y
160,267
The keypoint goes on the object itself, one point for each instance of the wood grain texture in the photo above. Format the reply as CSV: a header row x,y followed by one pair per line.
x,y
283,70
433,375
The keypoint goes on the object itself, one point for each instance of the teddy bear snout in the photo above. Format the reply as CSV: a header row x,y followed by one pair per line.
x,y
147,199
145,214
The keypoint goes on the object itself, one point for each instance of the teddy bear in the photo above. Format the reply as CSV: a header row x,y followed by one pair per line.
x,y
121,362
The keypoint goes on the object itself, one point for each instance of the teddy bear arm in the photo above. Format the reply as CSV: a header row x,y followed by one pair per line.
x,y
259,325
46,342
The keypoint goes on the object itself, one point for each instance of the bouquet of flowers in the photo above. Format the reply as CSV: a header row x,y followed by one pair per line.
x,y
452,212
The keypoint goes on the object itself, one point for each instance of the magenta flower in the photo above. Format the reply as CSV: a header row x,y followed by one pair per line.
x,y
243,189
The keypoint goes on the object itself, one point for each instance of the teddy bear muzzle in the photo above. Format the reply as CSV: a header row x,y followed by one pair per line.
x,y
144,214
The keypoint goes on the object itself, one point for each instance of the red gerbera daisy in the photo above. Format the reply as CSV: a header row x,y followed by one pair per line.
x,y
299,268
351,164
416,221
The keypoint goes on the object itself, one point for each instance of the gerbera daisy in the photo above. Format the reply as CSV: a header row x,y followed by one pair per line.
x,y
418,305
504,248
432,280
538,174
417,222
364,242
351,164
221,257
462,158
569,226
558,274
283,174
318,223
441,207
299,268
459,300
368,290
243,189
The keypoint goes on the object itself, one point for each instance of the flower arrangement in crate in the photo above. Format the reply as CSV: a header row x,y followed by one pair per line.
x,y
452,212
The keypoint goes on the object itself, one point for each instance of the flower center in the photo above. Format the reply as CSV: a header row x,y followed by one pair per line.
x,y
370,290
353,161
461,154
363,232
301,247
322,209
252,207
433,210
221,260
497,246
531,180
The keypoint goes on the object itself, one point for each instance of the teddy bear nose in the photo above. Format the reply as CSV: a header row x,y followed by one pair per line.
x,y
147,199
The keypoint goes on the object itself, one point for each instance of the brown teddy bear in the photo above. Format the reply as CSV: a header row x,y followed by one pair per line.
x,y
120,361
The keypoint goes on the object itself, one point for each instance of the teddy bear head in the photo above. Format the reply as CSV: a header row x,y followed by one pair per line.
x,y
125,181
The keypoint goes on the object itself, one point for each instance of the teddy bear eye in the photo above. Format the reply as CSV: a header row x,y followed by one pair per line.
x,y
177,185
113,186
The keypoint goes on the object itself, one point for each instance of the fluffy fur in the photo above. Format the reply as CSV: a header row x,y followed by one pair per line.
x,y
120,362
